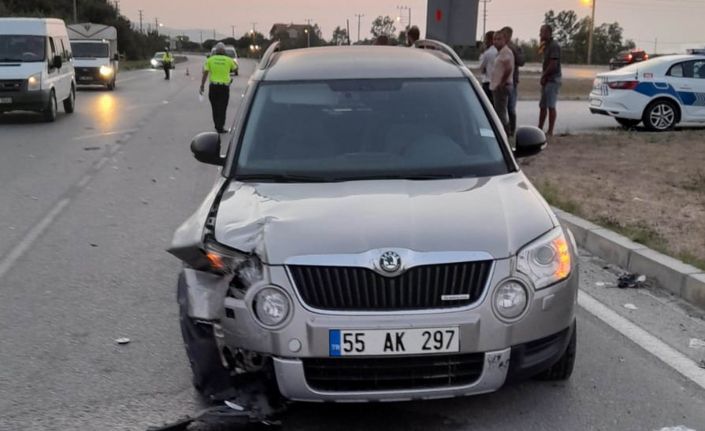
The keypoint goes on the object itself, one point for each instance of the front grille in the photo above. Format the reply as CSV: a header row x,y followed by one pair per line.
x,y
88,72
11,85
398,373
361,289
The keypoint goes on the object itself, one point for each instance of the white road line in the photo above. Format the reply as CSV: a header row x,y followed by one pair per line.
x,y
98,135
7,263
648,342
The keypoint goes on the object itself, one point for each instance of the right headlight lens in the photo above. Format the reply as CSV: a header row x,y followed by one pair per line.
x,y
547,260
272,306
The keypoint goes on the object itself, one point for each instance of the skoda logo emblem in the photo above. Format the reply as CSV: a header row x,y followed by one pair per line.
x,y
390,262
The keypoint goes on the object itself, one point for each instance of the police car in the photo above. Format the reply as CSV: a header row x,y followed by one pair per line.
x,y
661,92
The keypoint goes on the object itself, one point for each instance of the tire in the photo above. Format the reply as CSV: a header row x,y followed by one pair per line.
x,y
70,102
51,109
210,378
563,369
627,123
660,115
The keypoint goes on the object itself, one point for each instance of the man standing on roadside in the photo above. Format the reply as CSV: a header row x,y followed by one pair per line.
x,y
501,81
487,59
550,78
219,67
519,61
412,36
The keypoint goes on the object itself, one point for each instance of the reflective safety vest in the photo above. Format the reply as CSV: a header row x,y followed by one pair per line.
x,y
219,68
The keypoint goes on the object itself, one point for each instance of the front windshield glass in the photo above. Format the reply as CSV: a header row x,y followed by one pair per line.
x,y
364,129
89,50
158,55
22,48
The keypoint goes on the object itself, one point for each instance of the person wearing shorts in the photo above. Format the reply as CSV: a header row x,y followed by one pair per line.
x,y
550,79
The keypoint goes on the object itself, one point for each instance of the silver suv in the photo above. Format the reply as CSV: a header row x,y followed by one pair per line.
x,y
372,238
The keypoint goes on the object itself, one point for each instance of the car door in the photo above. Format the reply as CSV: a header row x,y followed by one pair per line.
x,y
685,79
54,79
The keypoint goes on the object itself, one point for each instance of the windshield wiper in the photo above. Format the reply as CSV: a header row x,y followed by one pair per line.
x,y
284,178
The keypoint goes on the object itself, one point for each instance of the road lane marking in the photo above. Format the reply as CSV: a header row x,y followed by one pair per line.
x,y
645,340
99,135
20,249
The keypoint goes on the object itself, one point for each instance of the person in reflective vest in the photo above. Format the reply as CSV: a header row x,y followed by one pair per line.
x,y
167,61
218,67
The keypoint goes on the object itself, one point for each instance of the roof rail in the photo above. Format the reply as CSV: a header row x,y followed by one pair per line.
x,y
440,46
266,60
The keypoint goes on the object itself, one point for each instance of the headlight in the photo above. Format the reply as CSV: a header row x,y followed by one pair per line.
x,y
225,260
106,70
153,62
272,306
34,82
546,260
510,299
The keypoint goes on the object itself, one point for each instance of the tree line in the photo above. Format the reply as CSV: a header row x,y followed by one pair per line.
x,y
572,33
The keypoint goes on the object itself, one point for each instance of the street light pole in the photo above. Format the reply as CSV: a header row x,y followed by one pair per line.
x,y
359,17
592,31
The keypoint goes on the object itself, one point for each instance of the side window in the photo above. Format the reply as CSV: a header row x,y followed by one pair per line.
x,y
699,69
52,49
676,71
64,54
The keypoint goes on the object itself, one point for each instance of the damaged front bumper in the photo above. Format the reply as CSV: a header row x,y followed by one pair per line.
x,y
504,351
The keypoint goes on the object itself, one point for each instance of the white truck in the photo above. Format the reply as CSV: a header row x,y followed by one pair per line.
x,y
95,53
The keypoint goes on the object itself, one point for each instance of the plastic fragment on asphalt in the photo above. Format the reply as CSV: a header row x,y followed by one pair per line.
x,y
234,406
630,306
123,341
696,343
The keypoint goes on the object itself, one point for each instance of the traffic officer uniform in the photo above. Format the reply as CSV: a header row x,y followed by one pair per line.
x,y
167,60
219,67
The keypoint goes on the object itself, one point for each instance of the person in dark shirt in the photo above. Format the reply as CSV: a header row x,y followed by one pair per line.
x,y
550,78
412,36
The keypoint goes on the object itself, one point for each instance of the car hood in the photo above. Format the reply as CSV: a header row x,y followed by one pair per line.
x,y
496,215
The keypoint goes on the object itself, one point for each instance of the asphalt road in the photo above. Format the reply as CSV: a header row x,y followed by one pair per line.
x,y
87,207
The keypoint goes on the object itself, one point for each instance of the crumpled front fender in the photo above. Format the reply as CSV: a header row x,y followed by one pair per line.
x,y
205,294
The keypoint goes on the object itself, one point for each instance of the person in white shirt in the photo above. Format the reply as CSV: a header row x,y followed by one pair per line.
x,y
487,59
502,79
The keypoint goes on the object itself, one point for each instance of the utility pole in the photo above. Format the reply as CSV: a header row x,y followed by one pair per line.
x,y
140,11
156,25
359,17
117,6
214,38
75,12
233,27
656,45
592,32
254,27
484,17
348,31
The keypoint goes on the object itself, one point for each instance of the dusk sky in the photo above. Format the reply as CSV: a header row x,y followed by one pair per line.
x,y
676,23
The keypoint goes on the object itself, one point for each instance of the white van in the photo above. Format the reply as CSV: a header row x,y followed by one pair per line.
x,y
95,52
36,69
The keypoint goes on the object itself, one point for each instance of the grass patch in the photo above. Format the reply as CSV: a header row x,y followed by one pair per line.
x,y
555,197
134,64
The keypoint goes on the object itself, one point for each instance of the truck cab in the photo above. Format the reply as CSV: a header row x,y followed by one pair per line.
x,y
96,58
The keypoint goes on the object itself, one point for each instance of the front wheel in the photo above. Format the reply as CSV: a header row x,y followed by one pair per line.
x,y
627,123
210,377
563,369
70,102
660,116
51,109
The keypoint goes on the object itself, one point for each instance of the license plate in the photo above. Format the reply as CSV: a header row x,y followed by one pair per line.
x,y
5,100
84,78
384,342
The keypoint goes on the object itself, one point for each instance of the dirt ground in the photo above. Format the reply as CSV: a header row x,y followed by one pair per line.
x,y
648,186
571,88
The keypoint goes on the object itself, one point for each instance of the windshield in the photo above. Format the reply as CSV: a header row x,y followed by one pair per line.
x,y
158,55
89,50
364,129
22,48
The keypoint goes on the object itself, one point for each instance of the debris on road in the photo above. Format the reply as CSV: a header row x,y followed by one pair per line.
x,y
631,281
630,306
676,428
123,341
696,343
91,148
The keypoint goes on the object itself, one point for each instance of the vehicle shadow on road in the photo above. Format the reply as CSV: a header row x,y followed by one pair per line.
x,y
18,118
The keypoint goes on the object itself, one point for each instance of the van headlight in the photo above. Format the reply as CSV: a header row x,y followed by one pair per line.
x,y
106,71
547,260
34,82
271,306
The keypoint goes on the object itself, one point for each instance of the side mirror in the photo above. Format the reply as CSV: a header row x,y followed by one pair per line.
x,y
56,62
206,148
116,57
529,141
